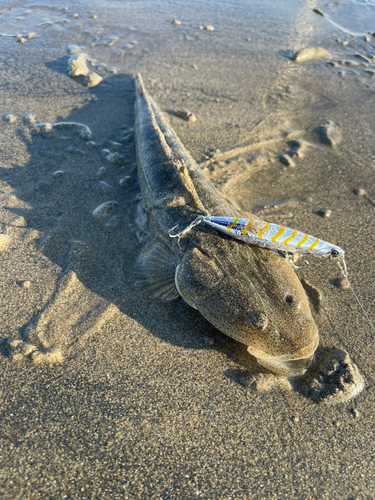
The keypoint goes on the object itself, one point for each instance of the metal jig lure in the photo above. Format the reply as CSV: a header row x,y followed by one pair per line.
x,y
268,235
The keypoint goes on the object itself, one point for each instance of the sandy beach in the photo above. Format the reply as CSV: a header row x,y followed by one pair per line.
x,y
106,394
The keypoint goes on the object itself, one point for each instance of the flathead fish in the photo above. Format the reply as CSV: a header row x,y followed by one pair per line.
x,y
249,293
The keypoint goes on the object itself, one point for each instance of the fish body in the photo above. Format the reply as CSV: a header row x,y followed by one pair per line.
x,y
247,292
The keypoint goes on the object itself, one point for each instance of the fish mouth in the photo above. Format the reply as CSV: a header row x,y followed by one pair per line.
x,y
296,366
291,368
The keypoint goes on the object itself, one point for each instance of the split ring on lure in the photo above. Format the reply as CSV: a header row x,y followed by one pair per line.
x,y
272,236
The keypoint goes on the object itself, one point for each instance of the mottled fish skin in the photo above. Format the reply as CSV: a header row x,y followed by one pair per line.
x,y
247,292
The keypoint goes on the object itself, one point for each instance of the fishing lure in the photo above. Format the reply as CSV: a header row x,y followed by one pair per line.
x,y
268,235
272,236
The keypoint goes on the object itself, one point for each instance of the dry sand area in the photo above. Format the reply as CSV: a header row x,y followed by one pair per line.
x,y
105,394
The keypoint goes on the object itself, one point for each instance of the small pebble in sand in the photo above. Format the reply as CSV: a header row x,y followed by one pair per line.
x,y
109,42
112,70
29,119
130,45
297,148
345,43
21,40
248,39
10,118
333,64
128,180
94,17
209,28
46,128
186,115
91,144
26,284
105,152
83,131
310,54
29,36
319,12
44,24
200,27
343,284
287,160
351,64
114,158
5,241
355,413
62,21
367,38
74,15
330,134
77,65
73,49
359,192
194,66
175,22
325,212
94,80
101,172
103,210
58,174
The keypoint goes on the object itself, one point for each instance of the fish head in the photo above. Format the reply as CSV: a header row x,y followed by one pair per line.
x,y
252,295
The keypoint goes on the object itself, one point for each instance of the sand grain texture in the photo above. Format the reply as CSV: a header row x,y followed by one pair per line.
x,y
108,395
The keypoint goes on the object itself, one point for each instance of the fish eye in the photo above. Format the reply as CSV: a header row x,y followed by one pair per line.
x,y
259,320
292,302
334,253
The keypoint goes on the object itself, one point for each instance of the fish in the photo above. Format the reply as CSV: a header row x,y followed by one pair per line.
x,y
249,293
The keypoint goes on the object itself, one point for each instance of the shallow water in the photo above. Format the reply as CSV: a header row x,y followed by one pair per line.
x,y
106,393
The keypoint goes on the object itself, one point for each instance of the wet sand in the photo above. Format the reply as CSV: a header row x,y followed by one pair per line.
x,y
108,395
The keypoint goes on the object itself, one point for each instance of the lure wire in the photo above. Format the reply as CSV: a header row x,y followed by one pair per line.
x,y
342,265
195,222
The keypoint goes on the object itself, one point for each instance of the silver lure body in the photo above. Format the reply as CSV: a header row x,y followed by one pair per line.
x,y
274,236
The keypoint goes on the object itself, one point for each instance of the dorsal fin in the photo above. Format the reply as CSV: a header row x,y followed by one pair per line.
x,y
188,183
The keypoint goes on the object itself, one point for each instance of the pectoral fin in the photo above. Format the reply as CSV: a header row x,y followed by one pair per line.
x,y
157,264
